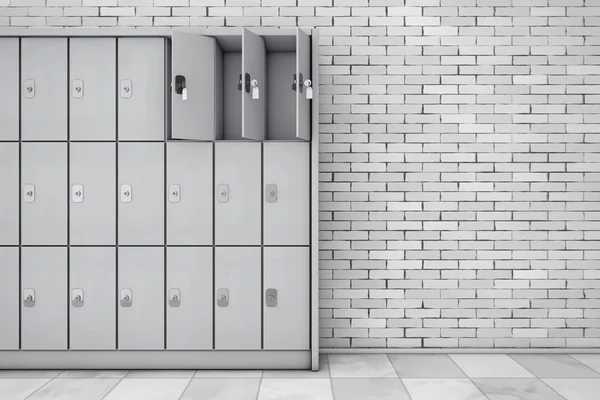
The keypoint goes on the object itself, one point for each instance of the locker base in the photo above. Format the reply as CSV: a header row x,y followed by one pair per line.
x,y
121,359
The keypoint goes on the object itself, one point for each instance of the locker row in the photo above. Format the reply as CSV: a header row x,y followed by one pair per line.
x,y
141,88
79,299
143,194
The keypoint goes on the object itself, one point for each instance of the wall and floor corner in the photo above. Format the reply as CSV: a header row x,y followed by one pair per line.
x,y
460,160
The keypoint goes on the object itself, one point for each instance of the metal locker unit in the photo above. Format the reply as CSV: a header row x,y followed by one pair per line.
x,y
93,190
286,193
197,86
141,298
44,194
44,298
9,298
44,85
286,298
254,68
238,298
9,194
92,298
141,193
237,193
142,88
93,63
9,95
189,193
189,298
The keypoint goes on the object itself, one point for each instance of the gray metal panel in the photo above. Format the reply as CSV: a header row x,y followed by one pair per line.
x,y
9,298
190,271
281,110
141,221
9,95
9,195
44,221
238,221
44,61
93,325
287,325
141,326
303,68
238,326
142,115
232,97
44,326
93,113
254,63
190,167
314,215
194,57
93,219
287,220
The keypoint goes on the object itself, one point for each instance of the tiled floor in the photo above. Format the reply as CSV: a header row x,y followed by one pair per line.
x,y
343,377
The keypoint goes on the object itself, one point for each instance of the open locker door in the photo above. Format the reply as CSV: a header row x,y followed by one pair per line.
x,y
195,84
304,94
254,86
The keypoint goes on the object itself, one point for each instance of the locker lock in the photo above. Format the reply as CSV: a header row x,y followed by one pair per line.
x,y
223,297
29,193
174,297
181,87
77,88
222,193
29,298
126,88
29,88
77,298
255,90
77,193
271,193
309,89
126,297
126,193
174,193
271,298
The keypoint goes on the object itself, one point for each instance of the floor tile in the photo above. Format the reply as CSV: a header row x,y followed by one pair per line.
x,y
369,388
222,389
323,371
446,389
228,374
295,389
75,389
425,366
148,389
490,366
576,389
554,366
17,373
20,388
361,366
93,374
591,360
170,374
516,389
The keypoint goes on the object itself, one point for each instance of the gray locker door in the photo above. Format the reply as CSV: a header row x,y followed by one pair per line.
x,y
44,88
194,57
287,193
286,302
141,175
238,298
9,95
93,280
141,316
237,193
189,298
9,194
44,184
93,84
189,193
9,298
254,64
92,196
44,316
141,84
302,70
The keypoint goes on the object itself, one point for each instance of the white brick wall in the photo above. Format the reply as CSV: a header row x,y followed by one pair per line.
x,y
460,175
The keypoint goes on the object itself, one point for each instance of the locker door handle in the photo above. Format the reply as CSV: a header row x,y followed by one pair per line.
x,y
174,193
271,298
29,298
28,193
77,88
126,297
77,298
77,193
126,193
174,297
29,88
271,193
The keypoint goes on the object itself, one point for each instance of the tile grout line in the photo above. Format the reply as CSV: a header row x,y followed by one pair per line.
x,y
43,386
399,378
187,386
118,383
467,376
